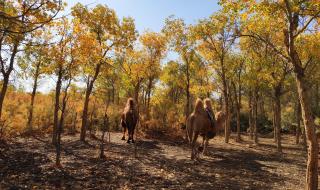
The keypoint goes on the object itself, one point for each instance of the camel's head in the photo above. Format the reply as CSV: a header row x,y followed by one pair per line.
x,y
220,120
199,106
208,104
130,103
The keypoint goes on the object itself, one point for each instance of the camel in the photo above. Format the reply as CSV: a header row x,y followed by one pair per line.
x,y
129,120
199,123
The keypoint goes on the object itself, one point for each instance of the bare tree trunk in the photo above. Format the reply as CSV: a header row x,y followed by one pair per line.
x,y
33,95
304,91
90,84
113,93
274,121
3,91
317,97
56,107
188,96
239,109
102,156
310,128
6,74
238,123
277,116
61,123
227,111
187,113
255,115
250,115
304,140
136,94
149,96
74,122
298,120
84,125
238,105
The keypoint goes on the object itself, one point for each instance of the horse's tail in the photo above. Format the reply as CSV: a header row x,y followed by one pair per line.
x,y
199,106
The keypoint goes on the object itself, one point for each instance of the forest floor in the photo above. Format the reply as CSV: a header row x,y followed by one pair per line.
x,y
27,163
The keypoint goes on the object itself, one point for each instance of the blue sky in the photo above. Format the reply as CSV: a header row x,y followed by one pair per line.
x,y
150,14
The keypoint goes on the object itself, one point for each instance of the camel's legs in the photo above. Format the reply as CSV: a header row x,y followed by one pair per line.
x,y
129,135
193,145
205,145
124,133
132,134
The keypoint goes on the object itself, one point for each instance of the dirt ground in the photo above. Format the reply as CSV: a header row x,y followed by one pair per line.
x,y
27,163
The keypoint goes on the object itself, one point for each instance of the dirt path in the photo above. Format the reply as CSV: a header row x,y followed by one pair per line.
x,y
27,164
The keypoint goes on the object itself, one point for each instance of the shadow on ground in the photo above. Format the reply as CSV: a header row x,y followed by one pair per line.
x,y
159,164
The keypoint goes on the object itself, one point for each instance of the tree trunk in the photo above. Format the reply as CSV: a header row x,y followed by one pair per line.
x,y
187,111
239,109
33,95
101,156
298,120
304,91
6,75
3,91
56,107
149,96
277,116
238,124
226,109
274,121
304,140
317,98
61,123
113,93
85,113
250,115
255,115
75,116
310,129
89,89
238,105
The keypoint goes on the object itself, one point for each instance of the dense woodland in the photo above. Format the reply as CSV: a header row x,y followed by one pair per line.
x,y
259,62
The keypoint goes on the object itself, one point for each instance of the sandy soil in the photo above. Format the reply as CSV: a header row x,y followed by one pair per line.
x,y
27,163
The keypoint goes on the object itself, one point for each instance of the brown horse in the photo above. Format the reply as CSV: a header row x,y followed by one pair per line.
x,y
129,119
199,123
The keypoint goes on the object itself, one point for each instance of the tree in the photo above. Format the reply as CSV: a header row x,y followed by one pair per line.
x,y
293,18
18,20
215,36
237,85
154,44
106,34
180,41
33,63
63,66
135,73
